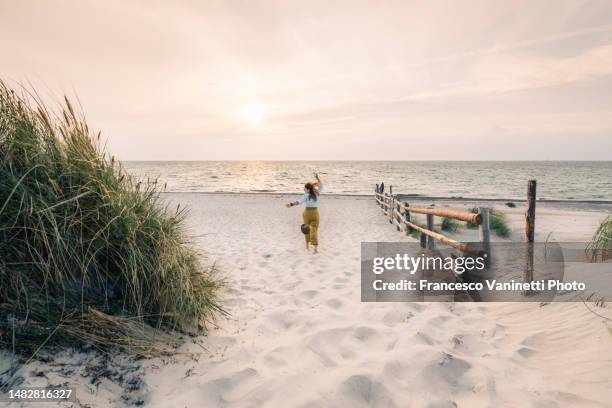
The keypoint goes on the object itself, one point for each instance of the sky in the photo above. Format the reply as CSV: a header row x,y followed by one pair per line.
x,y
324,80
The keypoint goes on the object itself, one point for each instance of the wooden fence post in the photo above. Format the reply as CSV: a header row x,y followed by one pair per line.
x,y
484,234
407,228
530,214
423,240
430,226
398,207
391,206
529,232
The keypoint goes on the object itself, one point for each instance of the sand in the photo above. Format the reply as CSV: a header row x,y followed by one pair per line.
x,y
298,335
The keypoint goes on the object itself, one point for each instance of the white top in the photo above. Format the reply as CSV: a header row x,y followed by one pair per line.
x,y
310,203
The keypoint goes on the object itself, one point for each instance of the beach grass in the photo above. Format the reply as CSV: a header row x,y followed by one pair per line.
x,y
600,246
497,222
449,225
87,253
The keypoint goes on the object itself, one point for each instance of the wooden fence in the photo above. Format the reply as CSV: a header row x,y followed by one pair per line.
x,y
399,214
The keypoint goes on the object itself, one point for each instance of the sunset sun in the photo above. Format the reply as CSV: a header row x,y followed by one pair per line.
x,y
253,114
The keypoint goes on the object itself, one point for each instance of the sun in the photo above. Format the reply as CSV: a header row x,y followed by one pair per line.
x,y
254,114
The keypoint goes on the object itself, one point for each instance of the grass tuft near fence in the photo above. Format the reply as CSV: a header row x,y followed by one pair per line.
x,y
600,246
449,225
88,254
497,222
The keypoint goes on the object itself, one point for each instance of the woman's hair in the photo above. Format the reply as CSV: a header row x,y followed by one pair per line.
x,y
311,191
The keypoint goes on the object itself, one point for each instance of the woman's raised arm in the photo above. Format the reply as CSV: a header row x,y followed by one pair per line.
x,y
318,183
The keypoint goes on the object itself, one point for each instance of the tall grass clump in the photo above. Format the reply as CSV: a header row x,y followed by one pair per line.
x,y
601,244
497,222
87,254
449,225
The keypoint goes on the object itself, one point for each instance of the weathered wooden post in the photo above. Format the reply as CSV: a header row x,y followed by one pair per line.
x,y
484,234
390,204
529,232
407,228
430,226
423,240
398,214
530,214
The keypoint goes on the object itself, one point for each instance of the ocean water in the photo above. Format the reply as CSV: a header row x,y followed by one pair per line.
x,y
503,179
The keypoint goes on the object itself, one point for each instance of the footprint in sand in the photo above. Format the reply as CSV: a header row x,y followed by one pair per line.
x,y
365,334
448,370
362,390
334,303
284,320
391,319
273,361
218,390
348,354
424,338
525,352
533,339
309,294
438,321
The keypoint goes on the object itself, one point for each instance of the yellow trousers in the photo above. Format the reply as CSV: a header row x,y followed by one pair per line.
x,y
311,218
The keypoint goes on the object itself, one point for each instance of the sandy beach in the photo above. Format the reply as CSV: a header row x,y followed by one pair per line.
x,y
299,336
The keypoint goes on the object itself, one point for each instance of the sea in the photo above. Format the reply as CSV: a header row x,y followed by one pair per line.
x,y
556,180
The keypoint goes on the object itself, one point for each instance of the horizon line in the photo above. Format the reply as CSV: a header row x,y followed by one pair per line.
x,y
368,160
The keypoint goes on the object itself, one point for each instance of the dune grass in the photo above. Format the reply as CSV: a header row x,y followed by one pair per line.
x,y
600,246
87,253
497,222
449,225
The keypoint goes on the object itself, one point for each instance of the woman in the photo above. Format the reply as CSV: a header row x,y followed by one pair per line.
x,y
311,212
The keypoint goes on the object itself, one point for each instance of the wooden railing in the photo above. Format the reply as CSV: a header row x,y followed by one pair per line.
x,y
399,214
